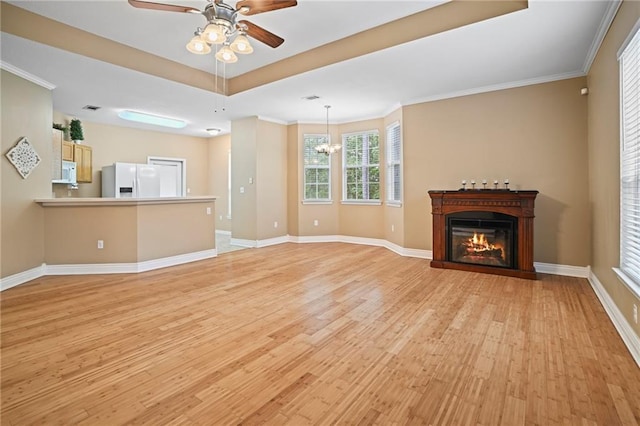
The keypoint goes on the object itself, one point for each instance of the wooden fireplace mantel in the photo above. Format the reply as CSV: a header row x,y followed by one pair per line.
x,y
514,203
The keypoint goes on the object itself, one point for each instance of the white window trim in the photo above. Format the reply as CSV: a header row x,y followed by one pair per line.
x,y
362,202
345,200
629,282
393,203
390,202
317,202
304,182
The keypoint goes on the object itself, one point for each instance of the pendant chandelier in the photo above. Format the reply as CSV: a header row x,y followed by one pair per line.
x,y
326,147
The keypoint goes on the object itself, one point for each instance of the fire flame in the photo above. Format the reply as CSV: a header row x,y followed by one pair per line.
x,y
479,243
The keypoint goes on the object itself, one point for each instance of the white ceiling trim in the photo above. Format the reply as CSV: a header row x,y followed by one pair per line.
x,y
27,76
496,87
607,20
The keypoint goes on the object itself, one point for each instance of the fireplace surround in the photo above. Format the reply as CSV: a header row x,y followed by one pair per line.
x,y
488,231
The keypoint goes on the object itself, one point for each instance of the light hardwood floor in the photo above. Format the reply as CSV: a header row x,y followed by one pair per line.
x,y
312,334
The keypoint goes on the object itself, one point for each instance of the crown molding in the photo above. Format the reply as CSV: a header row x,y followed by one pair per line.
x,y
27,76
496,87
603,28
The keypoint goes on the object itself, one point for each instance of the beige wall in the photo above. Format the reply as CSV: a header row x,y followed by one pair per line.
x,y
26,111
164,232
271,180
219,148
112,144
327,215
131,234
604,160
293,185
362,220
536,136
243,170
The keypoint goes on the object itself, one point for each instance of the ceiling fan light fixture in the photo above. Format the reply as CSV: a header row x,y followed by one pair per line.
x,y
241,45
198,46
214,34
226,55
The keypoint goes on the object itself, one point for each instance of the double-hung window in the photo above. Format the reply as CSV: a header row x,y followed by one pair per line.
x,y
630,163
361,167
394,164
317,170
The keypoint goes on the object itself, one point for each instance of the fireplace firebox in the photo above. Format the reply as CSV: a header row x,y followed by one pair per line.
x,y
488,231
481,238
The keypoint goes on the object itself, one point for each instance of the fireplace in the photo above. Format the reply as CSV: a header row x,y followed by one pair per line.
x,y
484,231
481,238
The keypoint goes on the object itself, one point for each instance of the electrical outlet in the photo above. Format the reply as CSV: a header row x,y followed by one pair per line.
x,y
208,210
275,224
100,244
315,222
242,189
393,228
220,217
188,190
635,313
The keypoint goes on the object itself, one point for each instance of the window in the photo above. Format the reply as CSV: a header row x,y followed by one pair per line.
x,y
630,163
394,164
361,159
317,170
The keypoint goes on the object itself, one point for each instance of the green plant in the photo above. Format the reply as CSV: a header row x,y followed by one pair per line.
x,y
59,126
75,130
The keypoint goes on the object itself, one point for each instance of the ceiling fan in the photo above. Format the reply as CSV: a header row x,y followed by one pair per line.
x,y
222,23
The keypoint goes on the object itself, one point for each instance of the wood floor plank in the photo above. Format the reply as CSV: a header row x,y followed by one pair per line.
x,y
312,334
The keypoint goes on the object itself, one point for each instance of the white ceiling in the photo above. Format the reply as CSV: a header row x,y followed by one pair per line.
x,y
548,41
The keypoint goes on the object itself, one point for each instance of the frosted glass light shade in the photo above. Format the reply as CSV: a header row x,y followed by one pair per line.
x,y
197,46
241,45
214,34
226,55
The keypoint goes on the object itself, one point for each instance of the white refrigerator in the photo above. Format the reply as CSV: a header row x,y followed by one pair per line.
x,y
129,180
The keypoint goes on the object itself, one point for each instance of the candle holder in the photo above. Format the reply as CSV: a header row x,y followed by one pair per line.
x,y
464,185
484,184
473,184
495,184
506,184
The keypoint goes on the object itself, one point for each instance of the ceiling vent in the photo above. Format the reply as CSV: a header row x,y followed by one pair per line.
x,y
311,97
91,107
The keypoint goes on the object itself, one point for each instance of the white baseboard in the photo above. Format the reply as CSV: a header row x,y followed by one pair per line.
x,y
104,268
402,251
566,270
629,337
272,241
221,232
244,243
22,277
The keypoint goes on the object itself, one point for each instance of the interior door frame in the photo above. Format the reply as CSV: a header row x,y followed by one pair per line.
x,y
181,162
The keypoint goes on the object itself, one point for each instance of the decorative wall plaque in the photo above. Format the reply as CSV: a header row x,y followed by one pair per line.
x,y
23,157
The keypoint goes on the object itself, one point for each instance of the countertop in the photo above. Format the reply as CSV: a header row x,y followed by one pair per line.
x,y
66,202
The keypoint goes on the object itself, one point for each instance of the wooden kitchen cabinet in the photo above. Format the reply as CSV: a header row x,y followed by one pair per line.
x,y
83,156
67,151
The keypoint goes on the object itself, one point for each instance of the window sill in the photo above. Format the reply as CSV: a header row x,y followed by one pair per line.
x,y
361,202
394,203
628,282
317,202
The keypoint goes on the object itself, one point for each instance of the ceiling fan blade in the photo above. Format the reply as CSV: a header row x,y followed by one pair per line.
x,y
260,34
160,6
260,6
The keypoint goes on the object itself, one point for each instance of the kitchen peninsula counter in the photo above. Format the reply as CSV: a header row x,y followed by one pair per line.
x,y
136,234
